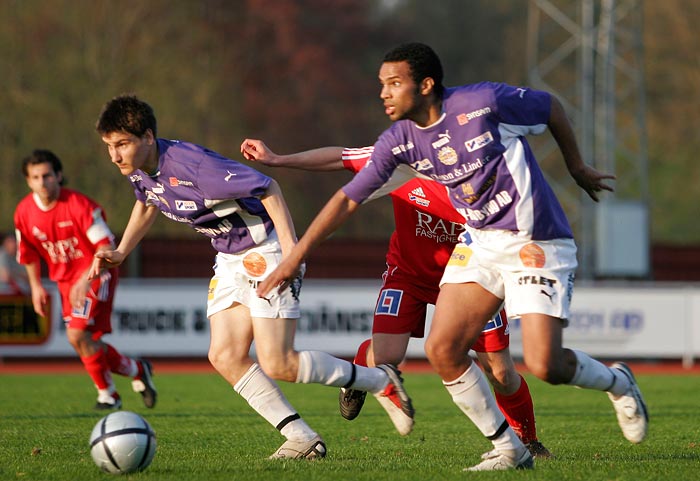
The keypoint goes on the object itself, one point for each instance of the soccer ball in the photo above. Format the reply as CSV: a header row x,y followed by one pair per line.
x,y
122,442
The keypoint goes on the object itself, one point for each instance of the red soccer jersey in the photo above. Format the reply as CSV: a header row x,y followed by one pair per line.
x,y
66,236
427,226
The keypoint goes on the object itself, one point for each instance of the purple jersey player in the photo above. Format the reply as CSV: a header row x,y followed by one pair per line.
x,y
246,217
517,244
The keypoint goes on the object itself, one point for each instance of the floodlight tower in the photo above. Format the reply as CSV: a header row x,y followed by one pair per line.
x,y
589,53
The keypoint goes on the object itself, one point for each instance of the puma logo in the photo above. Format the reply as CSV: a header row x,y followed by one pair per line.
x,y
542,291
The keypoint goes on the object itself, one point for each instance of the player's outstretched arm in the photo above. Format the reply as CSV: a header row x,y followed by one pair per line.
x,y
321,159
588,178
276,207
332,216
142,218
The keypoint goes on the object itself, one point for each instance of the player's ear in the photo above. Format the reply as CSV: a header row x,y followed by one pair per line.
x,y
427,85
149,137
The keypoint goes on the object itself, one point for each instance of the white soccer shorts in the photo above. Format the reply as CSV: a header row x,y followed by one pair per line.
x,y
236,276
532,276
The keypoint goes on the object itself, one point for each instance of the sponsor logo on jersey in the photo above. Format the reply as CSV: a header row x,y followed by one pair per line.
x,y
468,193
478,113
135,178
229,174
65,223
443,139
418,191
437,228
150,196
421,165
418,196
158,189
462,119
419,201
402,148
447,155
478,142
174,182
38,233
492,207
185,205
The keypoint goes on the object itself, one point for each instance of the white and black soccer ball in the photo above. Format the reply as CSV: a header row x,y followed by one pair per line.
x,y
122,442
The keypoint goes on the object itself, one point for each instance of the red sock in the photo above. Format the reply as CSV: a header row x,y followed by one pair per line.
x,y
519,412
361,356
121,364
97,368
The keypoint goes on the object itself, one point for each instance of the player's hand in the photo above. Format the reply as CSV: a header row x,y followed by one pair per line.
x,y
590,180
279,279
39,299
104,260
78,293
256,151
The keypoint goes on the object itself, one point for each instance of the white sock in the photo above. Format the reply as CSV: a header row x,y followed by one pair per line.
x,y
592,374
106,395
472,395
321,368
266,398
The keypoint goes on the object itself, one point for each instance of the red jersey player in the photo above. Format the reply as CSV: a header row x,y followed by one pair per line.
x,y
65,229
427,229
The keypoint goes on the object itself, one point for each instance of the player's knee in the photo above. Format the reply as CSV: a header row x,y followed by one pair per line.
x,y
277,368
546,371
504,379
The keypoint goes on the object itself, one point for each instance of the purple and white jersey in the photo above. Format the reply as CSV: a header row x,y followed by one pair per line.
x,y
214,195
479,151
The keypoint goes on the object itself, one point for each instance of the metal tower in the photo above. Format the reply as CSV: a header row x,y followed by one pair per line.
x,y
589,53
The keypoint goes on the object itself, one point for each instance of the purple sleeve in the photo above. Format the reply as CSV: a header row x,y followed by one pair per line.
x,y
223,178
522,106
375,173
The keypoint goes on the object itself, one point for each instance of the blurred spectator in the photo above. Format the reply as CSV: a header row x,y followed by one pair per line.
x,y
13,276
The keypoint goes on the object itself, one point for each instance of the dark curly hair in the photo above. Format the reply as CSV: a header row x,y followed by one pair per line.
x,y
423,61
126,113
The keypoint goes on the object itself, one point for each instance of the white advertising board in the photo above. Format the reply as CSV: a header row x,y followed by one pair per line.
x,y
168,319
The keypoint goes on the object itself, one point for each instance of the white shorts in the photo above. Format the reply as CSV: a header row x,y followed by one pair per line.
x,y
532,276
236,276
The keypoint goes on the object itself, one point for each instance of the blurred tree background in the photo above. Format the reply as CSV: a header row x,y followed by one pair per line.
x,y
299,74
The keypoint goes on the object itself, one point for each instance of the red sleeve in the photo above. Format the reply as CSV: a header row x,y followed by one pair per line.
x,y
355,159
26,252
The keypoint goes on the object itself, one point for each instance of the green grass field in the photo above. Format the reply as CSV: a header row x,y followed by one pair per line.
x,y
206,432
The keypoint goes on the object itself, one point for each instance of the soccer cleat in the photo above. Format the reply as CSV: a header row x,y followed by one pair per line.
x,y
108,403
145,386
350,402
314,449
496,460
538,450
395,401
630,408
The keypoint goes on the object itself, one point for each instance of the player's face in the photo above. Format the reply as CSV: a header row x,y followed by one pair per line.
x,y
400,93
44,182
129,152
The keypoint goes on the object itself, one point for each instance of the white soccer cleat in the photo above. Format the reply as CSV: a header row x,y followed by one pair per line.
x,y
395,401
496,460
314,449
630,408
